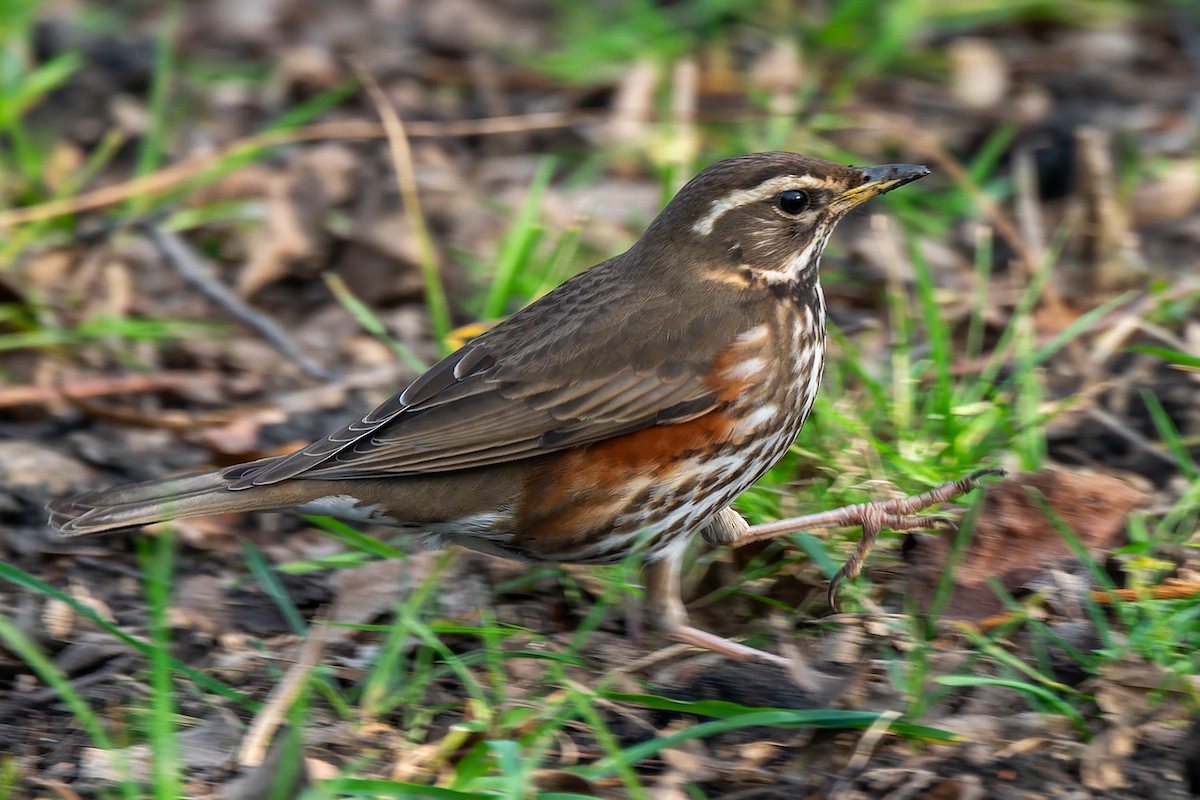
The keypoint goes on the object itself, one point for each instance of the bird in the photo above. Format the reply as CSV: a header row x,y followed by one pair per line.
x,y
620,413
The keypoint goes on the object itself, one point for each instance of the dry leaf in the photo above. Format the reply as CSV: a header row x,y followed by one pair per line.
x,y
1102,765
1015,543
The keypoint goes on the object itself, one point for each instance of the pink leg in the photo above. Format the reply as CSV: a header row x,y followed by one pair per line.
x,y
899,515
664,606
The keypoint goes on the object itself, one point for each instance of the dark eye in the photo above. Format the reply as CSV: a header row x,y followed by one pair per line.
x,y
792,201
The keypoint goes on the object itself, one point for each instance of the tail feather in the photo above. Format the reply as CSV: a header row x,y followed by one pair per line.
x,y
145,503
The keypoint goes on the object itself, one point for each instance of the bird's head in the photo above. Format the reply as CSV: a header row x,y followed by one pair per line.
x,y
768,214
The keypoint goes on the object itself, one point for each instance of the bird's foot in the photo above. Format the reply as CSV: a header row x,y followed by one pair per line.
x,y
665,611
718,644
899,514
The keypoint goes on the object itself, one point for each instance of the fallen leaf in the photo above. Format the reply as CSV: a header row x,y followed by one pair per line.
x,y
1015,543
1102,763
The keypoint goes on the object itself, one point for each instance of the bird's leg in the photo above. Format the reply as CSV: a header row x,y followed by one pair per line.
x,y
899,514
664,607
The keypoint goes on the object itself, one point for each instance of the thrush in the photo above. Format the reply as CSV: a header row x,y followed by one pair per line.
x,y
620,413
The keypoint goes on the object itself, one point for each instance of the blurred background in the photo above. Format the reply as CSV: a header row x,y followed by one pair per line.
x,y
229,226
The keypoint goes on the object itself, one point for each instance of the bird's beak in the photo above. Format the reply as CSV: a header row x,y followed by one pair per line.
x,y
877,181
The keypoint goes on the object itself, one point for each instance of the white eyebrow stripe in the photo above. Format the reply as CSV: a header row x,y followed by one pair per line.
x,y
766,189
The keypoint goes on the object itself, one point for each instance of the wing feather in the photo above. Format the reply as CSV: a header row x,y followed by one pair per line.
x,y
557,375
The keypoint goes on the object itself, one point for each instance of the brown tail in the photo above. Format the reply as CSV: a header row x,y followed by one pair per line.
x,y
145,503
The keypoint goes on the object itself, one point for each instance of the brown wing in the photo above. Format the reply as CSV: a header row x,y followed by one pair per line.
x,y
589,361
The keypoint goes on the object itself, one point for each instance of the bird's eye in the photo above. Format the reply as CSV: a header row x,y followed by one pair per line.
x,y
792,201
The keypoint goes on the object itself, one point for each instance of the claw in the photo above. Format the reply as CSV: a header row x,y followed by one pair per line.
x,y
835,583
947,524
899,514
979,474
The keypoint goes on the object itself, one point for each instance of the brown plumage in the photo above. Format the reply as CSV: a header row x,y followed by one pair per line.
x,y
624,410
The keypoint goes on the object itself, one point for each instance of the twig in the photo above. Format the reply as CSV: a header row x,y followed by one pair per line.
x,y
1029,212
176,174
1173,590
1112,423
1109,246
175,420
14,396
863,751
189,266
869,741
262,729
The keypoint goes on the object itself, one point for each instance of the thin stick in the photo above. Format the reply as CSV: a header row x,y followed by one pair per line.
x,y
180,256
14,396
258,739
176,174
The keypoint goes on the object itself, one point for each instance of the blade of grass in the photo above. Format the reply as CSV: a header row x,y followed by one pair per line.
x,y
561,261
350,560
1168,354
370,323
16,641
983,273
266,577
939,402
817,718
1102,579
340,531
378,787
1079,325
19,577
153,142
402,163
901,400
519,243
1020,318
157,556
1045,695
1170,434
958,549
987,646
616,760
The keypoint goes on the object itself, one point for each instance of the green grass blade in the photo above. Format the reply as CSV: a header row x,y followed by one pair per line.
x,y
1102,578
617,761
266,577
19,577
791,718
1045,695
371,324
1009,660
157,557
20,644
353,538
1170,434
958,549
376,787
153,143
1168,354
518,244
940,402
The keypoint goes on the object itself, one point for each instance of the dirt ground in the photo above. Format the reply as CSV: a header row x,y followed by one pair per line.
x,y
1101,142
